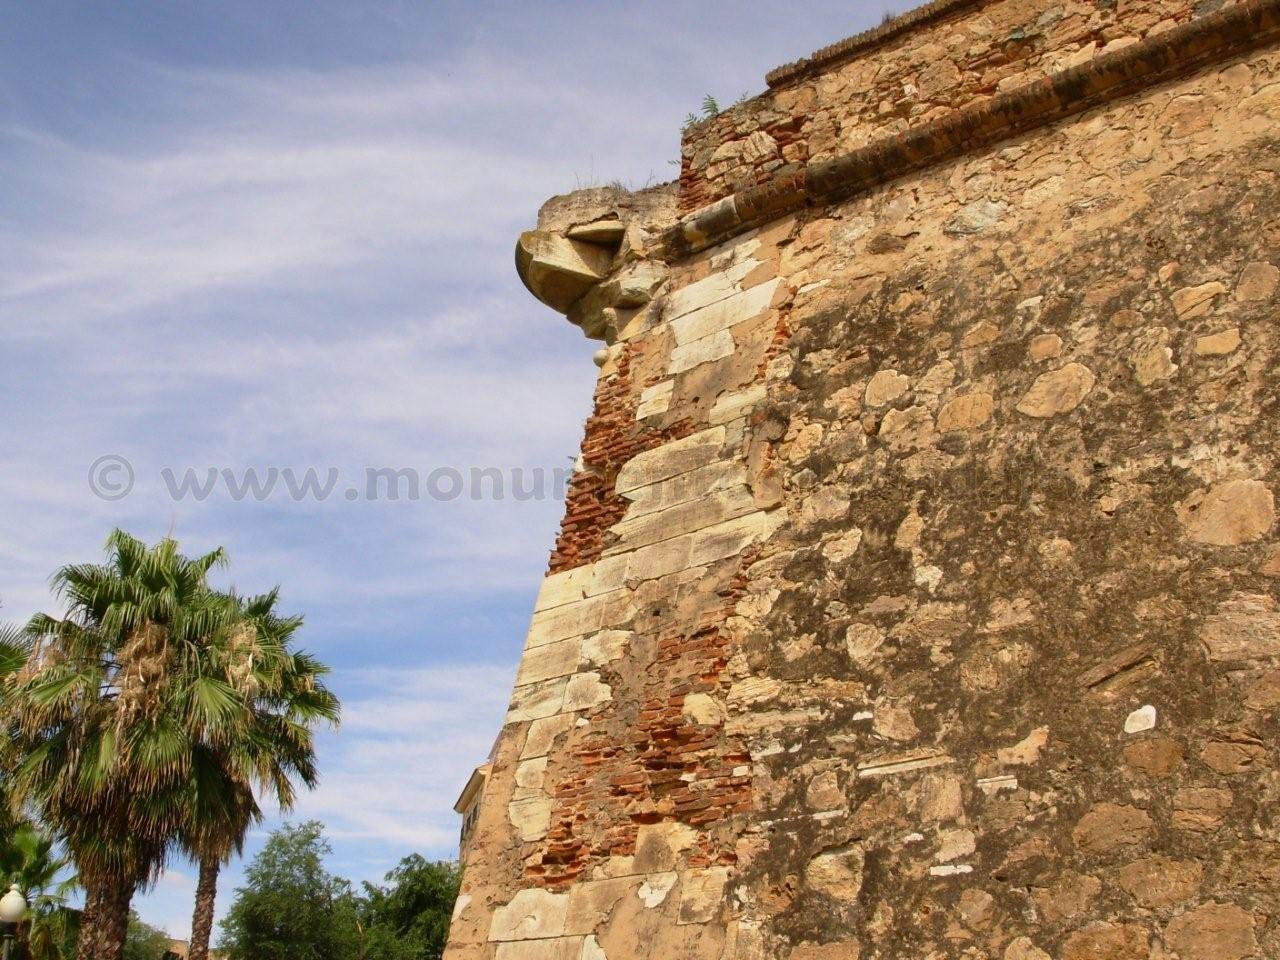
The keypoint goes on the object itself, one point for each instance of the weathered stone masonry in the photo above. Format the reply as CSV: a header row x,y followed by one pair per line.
x,y
917,592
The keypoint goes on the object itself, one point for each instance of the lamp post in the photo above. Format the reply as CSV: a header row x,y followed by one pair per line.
x,y
13,907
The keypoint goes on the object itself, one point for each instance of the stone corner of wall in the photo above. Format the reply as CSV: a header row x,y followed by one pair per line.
x,y
589,256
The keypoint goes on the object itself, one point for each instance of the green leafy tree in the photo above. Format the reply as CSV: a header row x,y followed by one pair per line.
x,y
144,942
143,721
270,697
100,720
15,647
408,919
291,907
29,858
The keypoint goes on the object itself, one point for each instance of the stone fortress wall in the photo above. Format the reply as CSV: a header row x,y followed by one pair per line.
x,y
917,592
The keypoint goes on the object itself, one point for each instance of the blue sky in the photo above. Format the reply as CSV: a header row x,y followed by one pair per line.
x,y
241,234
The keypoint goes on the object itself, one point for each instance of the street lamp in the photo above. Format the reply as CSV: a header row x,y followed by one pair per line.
x,y
13,907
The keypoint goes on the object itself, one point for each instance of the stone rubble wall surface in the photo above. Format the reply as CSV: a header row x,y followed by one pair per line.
x,y
980,51
931,605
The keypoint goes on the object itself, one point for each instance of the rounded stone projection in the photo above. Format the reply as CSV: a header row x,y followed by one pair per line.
x,y
558,270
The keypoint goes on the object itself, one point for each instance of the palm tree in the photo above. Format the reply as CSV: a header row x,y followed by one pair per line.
x,y
264,740
28,859
15,646
97,719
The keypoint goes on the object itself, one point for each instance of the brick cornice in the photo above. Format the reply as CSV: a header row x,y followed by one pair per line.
x,y
1174,53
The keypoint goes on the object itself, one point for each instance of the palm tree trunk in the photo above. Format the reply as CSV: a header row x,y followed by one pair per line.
x,y
104,925
202,920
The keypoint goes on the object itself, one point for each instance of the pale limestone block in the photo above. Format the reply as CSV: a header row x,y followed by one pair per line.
x,y
909,530
702,709
980,334
837,873
994,785
955,844
1230,513
655,399
927,576
1141,720
768,722
1043,192
1219,344
559,271
1045,347
754,690
1258,282
687,517
530,775
532,914
966,412
1153,363
697,352
1246,627
845,403
894,722
923,759
950,870
722,315
570,620
531,816
585,691
559,589
702,894
559,659
1059,391
1024,949
1027,751
592,901
719,285
975,218
826,503
605,646
823,792
537,701
660,559
862,640
731,538
903,428
543,733
1192,302
886,387
660,846
731,406
460,905
604,232
565,948
607,575
676,490
653,892
941,799
671,459
938,378
844,546
805,441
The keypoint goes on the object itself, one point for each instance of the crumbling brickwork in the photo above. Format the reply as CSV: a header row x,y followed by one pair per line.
x,y
936,614
965,52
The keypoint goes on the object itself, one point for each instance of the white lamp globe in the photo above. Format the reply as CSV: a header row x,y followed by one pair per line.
x,y
13,906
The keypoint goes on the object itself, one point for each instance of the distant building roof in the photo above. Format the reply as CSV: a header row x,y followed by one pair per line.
x,y
473,788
